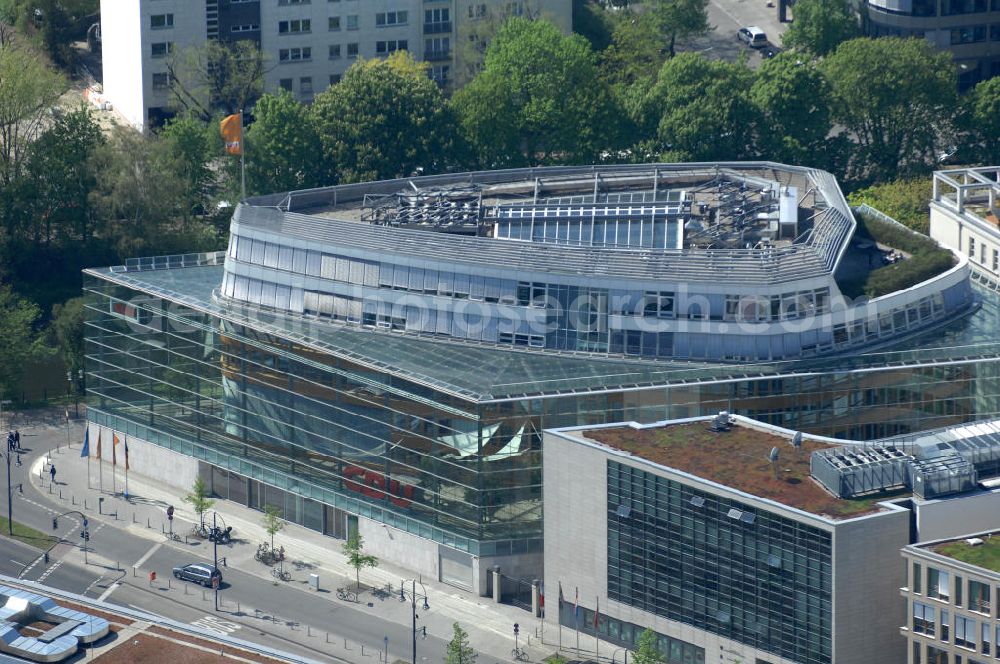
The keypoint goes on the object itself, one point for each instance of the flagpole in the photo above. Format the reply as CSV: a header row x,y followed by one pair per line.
x,y
100,462
243,160
576,618
126,467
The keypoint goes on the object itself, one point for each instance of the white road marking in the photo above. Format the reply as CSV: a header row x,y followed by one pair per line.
x,y
153,549
107,592
213,624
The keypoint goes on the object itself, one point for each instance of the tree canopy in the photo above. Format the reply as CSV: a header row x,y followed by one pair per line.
x,y
216,77
284,150
896,97
459,650
793,99
820,26
981,120
21,342
384,119
677,19
698,110
538,100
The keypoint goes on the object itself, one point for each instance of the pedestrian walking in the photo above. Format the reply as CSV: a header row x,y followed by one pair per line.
x,y
17,440
52,473
10,441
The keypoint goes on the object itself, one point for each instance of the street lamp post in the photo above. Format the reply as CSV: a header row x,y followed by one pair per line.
x,y
10,493
615,654
413,609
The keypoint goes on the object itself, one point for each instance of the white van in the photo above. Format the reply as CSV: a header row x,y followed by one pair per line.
x,y
753,36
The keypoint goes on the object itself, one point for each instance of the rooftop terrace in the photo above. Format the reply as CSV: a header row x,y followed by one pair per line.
x,y
738,458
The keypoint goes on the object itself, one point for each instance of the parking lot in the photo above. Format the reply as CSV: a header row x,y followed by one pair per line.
x,y
728,16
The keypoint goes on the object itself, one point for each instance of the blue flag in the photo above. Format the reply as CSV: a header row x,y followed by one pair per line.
x,y
85,452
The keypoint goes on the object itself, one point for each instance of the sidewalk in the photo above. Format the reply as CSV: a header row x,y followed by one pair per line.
x,y
489,624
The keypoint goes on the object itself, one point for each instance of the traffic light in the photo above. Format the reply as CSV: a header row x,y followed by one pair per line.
x,y
55,523
86,536
170,512
517,628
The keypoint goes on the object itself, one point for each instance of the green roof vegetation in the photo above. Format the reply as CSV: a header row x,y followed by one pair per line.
x,y
926,259
985,555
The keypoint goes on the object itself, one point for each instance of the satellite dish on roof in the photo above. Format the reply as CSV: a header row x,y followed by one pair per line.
x,y
797,440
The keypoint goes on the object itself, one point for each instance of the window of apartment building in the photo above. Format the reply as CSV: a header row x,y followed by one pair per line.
x,y
333,23
477,11
161,81
985,638
979,597
515,9
982,253
391,18
245,27
334,51
923,619
352,21
385,47
996,260
161,21
995,32
440,74
306,84
435,16
945,634
965,632
294,54
162,49
972,247
294,26
918,652
352,50
917,585
285,84
969,34
952,7
437,47
334,78
938,584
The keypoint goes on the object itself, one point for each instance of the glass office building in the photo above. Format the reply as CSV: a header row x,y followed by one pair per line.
x,y
300,375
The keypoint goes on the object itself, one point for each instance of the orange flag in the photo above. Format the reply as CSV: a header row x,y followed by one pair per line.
x,y
114,446
231,129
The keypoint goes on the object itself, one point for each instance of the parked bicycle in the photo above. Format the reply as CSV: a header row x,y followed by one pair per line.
x,y
347,594
268,555
519,654
281,574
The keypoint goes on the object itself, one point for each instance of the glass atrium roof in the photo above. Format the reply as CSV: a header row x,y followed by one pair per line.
x,y
480,373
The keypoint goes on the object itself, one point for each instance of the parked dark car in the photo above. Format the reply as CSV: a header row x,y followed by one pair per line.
x,y
200,573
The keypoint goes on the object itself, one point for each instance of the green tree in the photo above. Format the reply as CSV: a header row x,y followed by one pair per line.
x,y
636,52
793,99
821,25
981,121
459,650
59,176
679,19
385,119
28,89
141,195
698,110
188,140
648,652
353,548
67,327
896,98
216,77
200,502
272,521
22,344
538,100
592,21
284,151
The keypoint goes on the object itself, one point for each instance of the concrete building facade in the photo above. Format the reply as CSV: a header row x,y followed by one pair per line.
x,y
965,216
307,44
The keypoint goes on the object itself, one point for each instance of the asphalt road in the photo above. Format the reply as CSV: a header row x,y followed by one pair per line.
x,y
728,16
288,616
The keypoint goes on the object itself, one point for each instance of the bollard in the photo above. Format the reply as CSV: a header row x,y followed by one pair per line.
x,y
237,608
60,494
169,587
185,589
85,504
50,487
362,650
147,522
134,571
162,529
308,630
133,517
203,595
73,499
328,637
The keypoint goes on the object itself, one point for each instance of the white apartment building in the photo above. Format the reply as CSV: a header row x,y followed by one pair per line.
x,y
308,44
965,216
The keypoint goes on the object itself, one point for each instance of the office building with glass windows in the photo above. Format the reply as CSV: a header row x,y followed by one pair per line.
x,y
388,353
715,536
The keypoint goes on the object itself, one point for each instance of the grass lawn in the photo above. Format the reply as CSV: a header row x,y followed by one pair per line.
x,y
985,555
29,536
